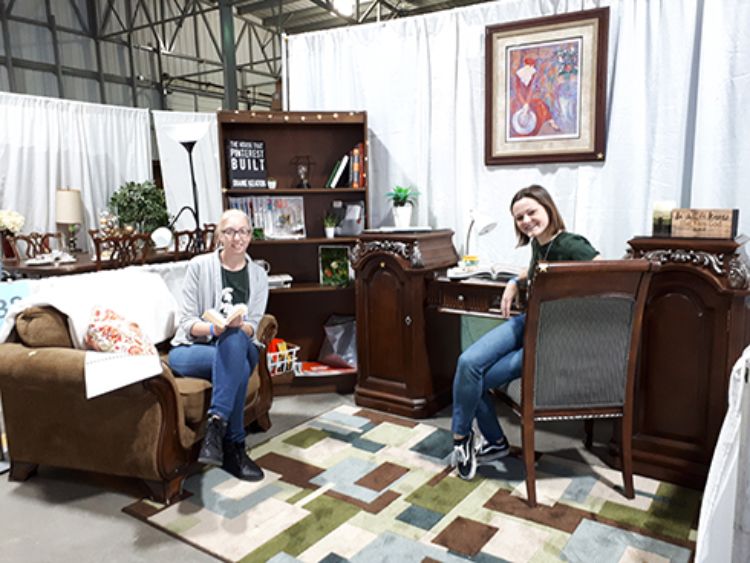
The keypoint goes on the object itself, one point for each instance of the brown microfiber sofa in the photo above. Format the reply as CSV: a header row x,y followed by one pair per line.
x,y
150,430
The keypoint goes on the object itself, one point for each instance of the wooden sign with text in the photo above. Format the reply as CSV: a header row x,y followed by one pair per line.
x,y
705,223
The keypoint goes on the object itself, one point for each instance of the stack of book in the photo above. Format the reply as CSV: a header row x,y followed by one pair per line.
x,y
349,170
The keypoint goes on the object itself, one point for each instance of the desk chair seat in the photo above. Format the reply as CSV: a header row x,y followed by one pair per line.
x,y
583,329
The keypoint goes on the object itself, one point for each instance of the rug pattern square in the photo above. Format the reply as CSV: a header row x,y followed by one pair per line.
x,y
355,485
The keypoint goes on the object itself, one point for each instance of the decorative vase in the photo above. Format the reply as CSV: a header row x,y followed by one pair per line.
x,y
330,232
7,248
402,216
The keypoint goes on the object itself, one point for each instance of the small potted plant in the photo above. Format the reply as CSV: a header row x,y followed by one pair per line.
x,y
403,200
141,205
330,222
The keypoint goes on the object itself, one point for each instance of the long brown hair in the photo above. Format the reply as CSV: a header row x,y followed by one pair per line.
x,y
542,197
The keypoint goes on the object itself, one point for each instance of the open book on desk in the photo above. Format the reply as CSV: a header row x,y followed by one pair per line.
x,y
495,272
222,320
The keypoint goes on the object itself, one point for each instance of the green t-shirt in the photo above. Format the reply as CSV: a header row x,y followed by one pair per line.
x,y
238,282
565,246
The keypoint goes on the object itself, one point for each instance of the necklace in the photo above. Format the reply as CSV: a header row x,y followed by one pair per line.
x,y
549,246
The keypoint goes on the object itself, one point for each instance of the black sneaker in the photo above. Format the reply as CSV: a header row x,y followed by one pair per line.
x,y
464,457
491,452
237,463
212,450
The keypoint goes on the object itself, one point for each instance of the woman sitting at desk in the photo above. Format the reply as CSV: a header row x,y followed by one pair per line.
x,y
496,358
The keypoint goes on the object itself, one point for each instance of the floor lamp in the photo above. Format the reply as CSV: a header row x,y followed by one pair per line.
x,y
188,134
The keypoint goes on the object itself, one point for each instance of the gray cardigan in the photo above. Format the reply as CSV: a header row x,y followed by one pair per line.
x,y
201,290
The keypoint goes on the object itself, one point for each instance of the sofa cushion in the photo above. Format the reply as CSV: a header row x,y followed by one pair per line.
x,y
196,396
43,327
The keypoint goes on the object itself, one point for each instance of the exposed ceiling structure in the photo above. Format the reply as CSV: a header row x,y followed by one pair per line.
x,y
228,49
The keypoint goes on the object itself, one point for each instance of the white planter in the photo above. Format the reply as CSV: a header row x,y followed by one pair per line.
x,y
402,216
330,231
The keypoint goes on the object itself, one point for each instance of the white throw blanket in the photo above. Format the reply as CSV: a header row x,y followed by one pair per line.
x,y
137,295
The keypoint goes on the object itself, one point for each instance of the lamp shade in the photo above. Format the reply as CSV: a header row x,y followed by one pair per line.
x,y
68,207
481,224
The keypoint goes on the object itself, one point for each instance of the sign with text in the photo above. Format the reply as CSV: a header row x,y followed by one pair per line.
x,y
705,223
10,292
246,164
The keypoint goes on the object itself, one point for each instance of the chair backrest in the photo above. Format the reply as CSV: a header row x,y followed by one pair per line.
x,y
186,242
583,329
120,249
34,244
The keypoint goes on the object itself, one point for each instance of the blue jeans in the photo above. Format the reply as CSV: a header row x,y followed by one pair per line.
x,y
493,360
227,362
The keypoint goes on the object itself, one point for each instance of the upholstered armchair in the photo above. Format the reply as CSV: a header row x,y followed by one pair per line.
x,y
583,329
150,430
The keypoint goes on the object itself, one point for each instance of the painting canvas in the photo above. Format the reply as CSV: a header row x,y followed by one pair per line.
x,y
546,89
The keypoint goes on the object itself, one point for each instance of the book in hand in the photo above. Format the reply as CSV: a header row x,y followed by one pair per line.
x,y
221,319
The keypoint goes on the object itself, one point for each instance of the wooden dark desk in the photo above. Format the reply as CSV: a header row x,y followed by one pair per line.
x,y
696,325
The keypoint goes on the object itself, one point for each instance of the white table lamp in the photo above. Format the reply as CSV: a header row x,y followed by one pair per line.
x,y
69,211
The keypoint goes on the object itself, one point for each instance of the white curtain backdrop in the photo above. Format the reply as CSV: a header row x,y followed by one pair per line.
x,y
175,167
48,143
675,127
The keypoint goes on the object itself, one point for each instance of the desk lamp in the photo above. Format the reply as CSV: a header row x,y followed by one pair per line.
x,y
483,226
68,211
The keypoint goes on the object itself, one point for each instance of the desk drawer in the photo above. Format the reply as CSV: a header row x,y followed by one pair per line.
x,y
476,298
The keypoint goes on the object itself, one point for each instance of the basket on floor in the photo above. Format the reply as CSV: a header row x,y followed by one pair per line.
x,y
282,361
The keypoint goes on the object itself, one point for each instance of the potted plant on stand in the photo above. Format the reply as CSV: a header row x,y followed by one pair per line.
x,y
330,222
403,199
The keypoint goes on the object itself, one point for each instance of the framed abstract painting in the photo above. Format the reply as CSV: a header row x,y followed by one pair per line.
x,y
545,89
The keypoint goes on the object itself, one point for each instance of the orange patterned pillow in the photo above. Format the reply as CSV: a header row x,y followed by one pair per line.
x,y
110,332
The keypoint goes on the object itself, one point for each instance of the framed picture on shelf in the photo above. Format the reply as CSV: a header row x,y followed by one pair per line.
x,y
334,265
278,217
246,164
545,88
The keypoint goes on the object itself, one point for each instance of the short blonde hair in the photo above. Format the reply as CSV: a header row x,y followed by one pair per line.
x,y
229,214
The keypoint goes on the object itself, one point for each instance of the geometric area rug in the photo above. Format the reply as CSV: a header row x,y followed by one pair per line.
x,y
364,486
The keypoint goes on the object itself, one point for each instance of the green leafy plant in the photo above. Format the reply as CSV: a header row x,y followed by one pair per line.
x,y
401,196
330,220
140,204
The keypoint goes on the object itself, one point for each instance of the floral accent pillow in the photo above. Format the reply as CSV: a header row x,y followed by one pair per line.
x,y
110,332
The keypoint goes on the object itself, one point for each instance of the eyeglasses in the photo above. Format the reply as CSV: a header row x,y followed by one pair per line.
x,y
231,233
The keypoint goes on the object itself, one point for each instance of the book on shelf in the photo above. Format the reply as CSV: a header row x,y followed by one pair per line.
x,y
340,171
356,167
318,369
246,164
222,319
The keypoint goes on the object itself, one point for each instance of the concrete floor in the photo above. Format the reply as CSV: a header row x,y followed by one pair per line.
x,y
60,515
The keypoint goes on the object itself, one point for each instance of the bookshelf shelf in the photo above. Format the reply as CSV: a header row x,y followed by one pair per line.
x,y
322,138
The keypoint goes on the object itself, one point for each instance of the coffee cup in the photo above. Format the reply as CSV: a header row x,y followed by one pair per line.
x,y
263,264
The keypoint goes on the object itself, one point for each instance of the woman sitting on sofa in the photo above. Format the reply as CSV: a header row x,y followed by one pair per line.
x,y
225,356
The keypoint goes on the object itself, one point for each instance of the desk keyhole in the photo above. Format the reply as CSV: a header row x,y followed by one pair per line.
x,y
407,320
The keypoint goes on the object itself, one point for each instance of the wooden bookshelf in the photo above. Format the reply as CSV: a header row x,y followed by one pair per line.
x,y
303,308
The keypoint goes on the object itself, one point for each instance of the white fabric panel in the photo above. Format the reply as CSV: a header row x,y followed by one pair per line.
x,y
421,80
717,527
175,166
46,143
722,145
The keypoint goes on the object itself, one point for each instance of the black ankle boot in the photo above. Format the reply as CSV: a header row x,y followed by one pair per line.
x,y
212,451
238,464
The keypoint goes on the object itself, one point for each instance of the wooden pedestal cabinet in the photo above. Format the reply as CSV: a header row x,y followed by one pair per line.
x,y
696,325
406,352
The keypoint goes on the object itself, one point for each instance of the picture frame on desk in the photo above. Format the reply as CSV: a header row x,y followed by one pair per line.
x,y
545,89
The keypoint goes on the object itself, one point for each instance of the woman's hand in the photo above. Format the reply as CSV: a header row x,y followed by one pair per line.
x,y
509,295
235,323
